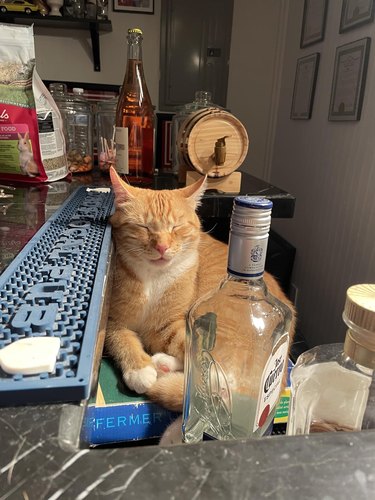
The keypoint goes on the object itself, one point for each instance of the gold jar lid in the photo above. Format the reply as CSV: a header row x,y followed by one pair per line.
x,y
360,307
359,315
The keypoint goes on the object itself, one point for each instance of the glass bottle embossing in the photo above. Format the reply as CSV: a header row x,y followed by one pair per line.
x,y
237,339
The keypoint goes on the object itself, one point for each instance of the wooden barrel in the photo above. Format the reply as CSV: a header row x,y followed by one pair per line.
x,y
204,133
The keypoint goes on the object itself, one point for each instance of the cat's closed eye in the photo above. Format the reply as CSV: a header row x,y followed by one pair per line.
x,y
142,225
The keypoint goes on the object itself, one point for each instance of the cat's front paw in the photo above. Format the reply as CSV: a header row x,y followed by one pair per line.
x,y
164,363
140,380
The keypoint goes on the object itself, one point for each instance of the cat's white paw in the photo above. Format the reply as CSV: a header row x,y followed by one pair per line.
x,y
165,363
140,380
172,434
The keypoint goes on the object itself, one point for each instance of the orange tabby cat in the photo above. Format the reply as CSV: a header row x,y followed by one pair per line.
x,y
163,263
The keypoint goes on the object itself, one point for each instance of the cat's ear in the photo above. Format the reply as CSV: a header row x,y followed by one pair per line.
x,y
123,192
195,191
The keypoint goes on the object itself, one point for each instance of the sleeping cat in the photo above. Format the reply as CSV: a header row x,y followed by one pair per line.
x,y
164,262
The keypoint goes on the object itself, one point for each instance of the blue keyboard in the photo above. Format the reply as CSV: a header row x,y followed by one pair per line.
x,y
55,287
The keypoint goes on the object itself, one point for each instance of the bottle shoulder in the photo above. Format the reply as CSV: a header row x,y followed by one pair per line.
x,y
242,300
326,359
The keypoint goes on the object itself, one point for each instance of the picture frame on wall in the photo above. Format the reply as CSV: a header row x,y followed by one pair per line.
x,y
313,22
138,6
304,87
355,13
349,80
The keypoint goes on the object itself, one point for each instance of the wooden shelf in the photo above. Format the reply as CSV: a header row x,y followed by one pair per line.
x,y
63,22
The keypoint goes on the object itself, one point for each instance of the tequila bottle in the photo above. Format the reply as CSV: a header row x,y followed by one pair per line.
x,y
237,339
331,383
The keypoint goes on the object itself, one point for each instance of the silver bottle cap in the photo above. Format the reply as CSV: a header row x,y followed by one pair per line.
x,y
251,215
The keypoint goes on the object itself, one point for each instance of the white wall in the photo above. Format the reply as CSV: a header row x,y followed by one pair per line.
x,y
66,55
254,75
330,168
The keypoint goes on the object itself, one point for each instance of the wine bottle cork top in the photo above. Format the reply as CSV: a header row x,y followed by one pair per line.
x,y
135,30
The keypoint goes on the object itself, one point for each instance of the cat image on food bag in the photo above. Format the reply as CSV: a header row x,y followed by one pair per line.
x,y
26,158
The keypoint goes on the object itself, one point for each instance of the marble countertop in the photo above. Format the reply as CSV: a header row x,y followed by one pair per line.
x,y
36,463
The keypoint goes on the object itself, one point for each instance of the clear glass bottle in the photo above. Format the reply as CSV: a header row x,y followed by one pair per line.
x,y
105,133
330,384
77,120
237,339
202,99
135,120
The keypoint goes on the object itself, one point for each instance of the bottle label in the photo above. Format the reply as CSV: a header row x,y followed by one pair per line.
x,y
247,256
122,150
271,382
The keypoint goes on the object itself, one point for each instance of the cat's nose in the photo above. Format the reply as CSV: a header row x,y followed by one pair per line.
x,y
161,248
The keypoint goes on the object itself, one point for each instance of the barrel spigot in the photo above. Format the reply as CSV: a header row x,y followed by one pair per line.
x,y
220,151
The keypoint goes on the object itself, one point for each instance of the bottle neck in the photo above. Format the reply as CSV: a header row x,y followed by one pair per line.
x,y
135,50
134,74
247,254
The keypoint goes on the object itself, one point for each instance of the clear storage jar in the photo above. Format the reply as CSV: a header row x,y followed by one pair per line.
x,y
77,119
105,133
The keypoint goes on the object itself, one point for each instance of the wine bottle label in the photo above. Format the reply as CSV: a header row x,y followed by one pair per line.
x,y
271,382
122,150
247,256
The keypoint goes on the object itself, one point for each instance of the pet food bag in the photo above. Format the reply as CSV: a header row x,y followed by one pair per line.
x,y
32,145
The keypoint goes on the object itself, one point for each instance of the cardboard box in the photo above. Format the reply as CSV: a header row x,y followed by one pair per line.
x,y
118,414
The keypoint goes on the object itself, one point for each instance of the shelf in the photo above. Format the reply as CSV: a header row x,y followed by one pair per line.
x,y
63,22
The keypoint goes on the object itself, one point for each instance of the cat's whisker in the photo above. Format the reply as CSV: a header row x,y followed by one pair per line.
x,y
209,231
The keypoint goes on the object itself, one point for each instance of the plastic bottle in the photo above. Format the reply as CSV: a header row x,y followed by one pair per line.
x,y
77,119
135,120
238,338
105,128
330,384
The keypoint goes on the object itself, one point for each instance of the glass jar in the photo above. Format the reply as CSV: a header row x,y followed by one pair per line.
x,y
77,119
105,133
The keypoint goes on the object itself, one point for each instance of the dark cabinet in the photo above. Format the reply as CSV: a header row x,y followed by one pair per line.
x,y
194,50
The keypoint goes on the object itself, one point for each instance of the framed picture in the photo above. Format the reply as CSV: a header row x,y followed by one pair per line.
x,y
304,87
349,80
313,22
139,6
355,13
